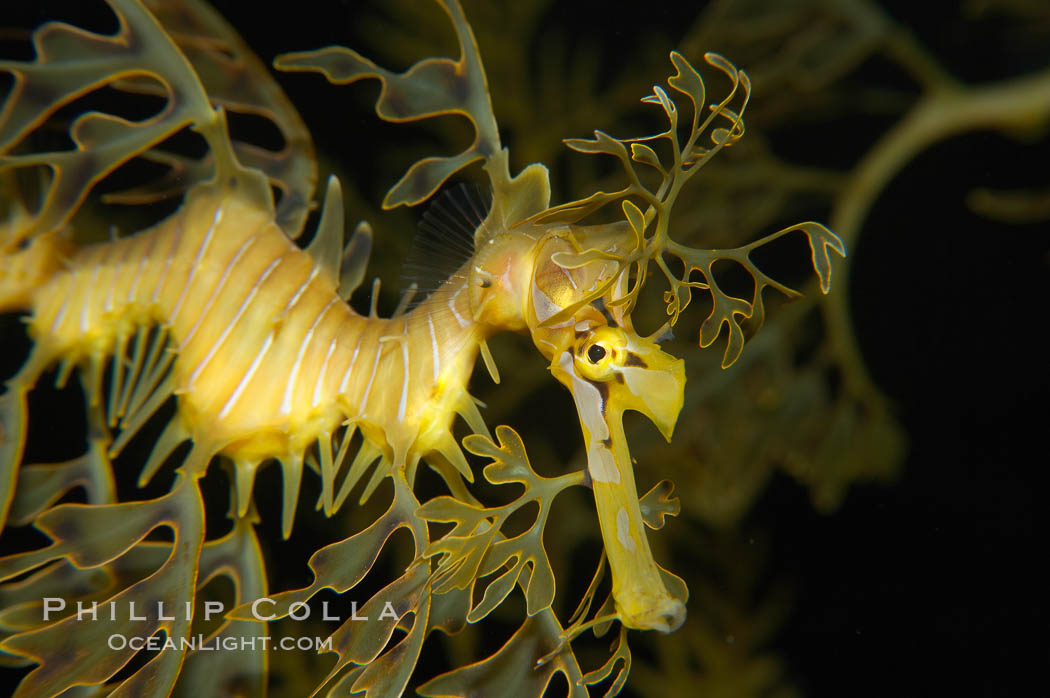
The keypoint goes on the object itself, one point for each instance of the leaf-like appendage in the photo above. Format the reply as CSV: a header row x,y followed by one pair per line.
x,y
23,601
41,485
670,110
723,126
820,240
659,503
574,211
724,311
431,87
235,79
640,152
425,177
688,82
621,655
602,143
14,418
72,62
728,310
514,670
435,87
474,548
237,557
340,567
72,651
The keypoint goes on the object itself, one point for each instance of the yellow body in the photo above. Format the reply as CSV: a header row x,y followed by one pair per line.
x,y
268,358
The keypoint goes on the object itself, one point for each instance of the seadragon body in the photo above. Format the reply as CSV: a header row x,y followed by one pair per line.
x,y
253,336
267,358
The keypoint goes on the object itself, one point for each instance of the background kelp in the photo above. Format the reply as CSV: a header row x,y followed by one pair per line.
x,y
859,118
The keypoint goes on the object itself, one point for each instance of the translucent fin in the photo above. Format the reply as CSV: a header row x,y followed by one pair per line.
x,y
116,375
445,240
138,417
154,368
132,376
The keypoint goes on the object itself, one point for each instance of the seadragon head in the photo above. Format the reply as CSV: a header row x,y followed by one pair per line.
x,y
575,313
609,369
596,345
577,318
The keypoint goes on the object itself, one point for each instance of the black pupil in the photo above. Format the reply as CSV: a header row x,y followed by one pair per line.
x,y
596,353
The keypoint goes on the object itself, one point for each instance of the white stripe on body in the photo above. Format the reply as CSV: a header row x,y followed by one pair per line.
x,y
205,243
215,293
229,328
286,401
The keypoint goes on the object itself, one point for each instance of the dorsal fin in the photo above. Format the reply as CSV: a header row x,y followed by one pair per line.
x,y
445,240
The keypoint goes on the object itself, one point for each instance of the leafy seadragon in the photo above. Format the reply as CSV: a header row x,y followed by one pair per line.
x,y
252,335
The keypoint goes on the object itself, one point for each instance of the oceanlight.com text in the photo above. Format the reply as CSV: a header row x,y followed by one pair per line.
x,y
200,643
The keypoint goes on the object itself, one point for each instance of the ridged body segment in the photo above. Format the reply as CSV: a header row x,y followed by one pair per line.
x,y
269,357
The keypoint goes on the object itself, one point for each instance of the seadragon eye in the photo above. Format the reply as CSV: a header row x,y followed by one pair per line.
x,y
596,353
